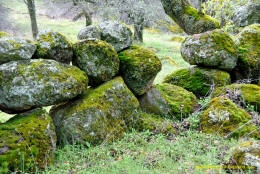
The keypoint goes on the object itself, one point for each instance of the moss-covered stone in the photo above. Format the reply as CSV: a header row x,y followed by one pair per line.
x,y
247,156
226,118
53,45
38,82
27,142
188,18
248,65
138,67
169,101
12,49
242,94
155,124
98,59
100,115
4,34
89,32
199,81
210,49
116,34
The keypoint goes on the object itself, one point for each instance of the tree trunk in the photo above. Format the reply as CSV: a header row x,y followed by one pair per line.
x,y
87,15
31,8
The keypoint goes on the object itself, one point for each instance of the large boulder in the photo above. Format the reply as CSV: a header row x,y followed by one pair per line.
x,y
27,142
38,82
117,34
169,101
241,94
247,156
226,118
89,32
210,49
247,14
53,45
15,49
188,18
98,59
199,81
138,67
248,65
100,115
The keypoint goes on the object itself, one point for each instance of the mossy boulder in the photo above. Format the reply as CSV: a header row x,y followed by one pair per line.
x,y
210,49
4,34
241,94
248,65
226,118
89,32
155,124
38,82
53,45
138,67
188,18
15,49
101,115
168,100
98,59
117,34
27,142
247,156
247,14
199,81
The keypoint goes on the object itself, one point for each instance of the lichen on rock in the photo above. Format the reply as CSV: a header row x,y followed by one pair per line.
x,y
101,115
97,58
27,142
227,119
38,82
54,45
199,81
168,100
89,32
138,67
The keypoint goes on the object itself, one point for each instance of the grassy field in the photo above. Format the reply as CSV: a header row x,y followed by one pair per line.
x,y
138,152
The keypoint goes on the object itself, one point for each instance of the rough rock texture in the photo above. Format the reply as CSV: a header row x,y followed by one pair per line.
x,y
38,82
248,65
15,49
98,59
4,34
117,34
138,67
100,115
247,15
89,32
27,142
241,94
168,100
226,118
210,49
155,124
247,154
53,45
199,81
188,18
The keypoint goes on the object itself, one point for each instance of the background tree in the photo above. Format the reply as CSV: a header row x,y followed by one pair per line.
x,y
32,12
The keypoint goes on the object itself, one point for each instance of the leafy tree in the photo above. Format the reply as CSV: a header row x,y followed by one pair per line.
x,y
32,12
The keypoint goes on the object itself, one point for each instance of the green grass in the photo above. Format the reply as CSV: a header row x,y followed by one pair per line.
x,y
146,153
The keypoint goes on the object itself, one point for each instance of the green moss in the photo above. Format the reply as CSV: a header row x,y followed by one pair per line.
x,y
138,67
198,80
245,93
155,124
4,34
29,141
225,118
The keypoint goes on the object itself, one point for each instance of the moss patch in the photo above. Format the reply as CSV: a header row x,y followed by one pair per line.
x,y
27,142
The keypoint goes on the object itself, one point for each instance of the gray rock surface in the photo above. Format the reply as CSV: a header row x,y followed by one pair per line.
x,y
117,34
38,82
89,32
15,49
